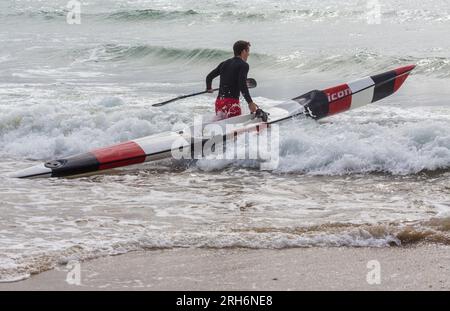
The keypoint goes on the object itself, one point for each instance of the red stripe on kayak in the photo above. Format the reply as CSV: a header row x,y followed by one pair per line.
x,y
119,155
401,78
339,97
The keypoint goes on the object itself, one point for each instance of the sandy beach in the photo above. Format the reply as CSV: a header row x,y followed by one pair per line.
x,y
416,268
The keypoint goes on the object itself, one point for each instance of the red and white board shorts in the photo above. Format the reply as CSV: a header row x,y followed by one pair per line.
x,y
227,107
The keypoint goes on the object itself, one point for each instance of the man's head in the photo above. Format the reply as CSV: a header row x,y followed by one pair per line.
x,y
242,49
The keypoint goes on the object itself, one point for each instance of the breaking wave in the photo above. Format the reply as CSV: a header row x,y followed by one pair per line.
x,y
345,63
149,14
282,13
338,148
19,267
117,53
371,140
360,142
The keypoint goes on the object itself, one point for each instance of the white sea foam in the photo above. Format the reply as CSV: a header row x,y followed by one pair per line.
x,y
409,141
408,144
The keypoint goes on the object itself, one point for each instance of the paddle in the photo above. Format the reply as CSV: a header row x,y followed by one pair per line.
x,y
251,83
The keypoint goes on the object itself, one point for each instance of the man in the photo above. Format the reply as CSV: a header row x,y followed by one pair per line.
x,y
233,81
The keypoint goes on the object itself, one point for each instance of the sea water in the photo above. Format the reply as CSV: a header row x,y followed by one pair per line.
x,y
378,176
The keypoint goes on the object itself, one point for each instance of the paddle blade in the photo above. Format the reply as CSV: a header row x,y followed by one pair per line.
x,y
251,83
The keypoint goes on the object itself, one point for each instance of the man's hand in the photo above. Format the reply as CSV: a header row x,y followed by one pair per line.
x,y
209,90
252,106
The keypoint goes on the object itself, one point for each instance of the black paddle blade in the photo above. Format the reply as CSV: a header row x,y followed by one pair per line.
x,y
251,83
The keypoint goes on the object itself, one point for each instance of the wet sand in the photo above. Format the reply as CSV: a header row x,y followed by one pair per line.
x,y
414,268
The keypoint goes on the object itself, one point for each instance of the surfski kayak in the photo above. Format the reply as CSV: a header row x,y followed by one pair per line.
x,y
316,104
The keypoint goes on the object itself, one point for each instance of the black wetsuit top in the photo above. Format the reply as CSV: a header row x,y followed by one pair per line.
x,y
233,79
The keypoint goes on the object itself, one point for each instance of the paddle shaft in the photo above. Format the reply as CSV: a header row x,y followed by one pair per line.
x,y
251,83
181,97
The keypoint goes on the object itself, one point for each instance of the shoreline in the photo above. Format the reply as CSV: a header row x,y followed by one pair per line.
x,y
423,267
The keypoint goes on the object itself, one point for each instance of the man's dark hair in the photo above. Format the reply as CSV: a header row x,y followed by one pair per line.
x,y
239,46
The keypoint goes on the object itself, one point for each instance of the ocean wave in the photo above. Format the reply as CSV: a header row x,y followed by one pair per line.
x,y
435,230
345,63
349,62
44,132
282,13
15,267
45,14
375,139
156,54
405,143
231,15
149,14
343,148
413,15
120,15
